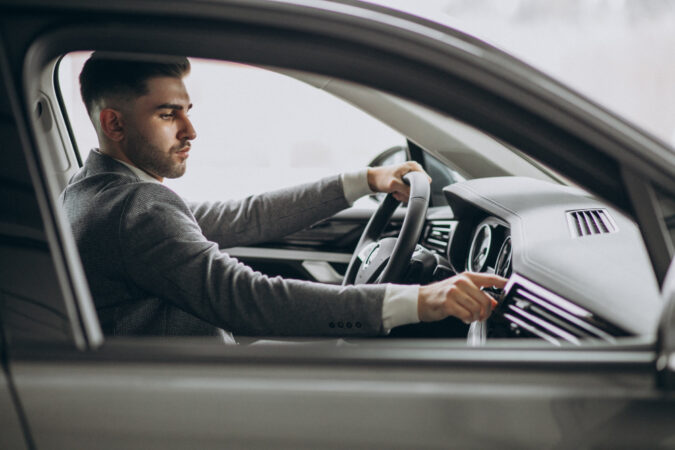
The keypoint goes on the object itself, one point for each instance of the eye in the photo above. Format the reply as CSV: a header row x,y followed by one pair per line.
x,y
167,115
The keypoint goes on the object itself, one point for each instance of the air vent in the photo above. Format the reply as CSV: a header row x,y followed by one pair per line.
x,y
532,311
589,222
438,235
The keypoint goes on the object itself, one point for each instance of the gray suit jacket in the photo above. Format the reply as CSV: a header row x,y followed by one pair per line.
x,y
154,266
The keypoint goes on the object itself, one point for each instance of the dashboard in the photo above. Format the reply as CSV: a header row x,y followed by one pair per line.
x,y
578,269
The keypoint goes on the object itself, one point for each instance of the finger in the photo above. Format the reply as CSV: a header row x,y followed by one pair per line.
x,y
464,294
399,187
474,308
493,303
486,301
483,301
413,166
486,280
458,310
400,197
481,298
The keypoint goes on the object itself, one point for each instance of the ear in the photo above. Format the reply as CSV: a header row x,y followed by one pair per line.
x,y
112,124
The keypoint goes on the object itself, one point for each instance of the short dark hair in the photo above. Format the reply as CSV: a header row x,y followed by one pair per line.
x,y
113,75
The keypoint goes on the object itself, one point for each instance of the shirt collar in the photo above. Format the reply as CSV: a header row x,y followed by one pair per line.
x,y
144,176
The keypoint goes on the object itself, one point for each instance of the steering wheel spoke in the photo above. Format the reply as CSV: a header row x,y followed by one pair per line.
x,y
376,258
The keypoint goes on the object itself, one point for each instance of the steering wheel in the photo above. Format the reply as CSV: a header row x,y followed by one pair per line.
x,y
386,260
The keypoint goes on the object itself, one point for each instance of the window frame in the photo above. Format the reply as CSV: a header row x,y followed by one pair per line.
x,y
239,47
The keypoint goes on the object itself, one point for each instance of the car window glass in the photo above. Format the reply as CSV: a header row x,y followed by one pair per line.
x,y
395,158
257,130
441,176
668,210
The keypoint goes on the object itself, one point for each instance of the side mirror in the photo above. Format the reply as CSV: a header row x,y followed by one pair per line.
x,y
665,342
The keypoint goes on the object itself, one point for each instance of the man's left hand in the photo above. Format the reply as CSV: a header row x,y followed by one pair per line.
x,y
389,179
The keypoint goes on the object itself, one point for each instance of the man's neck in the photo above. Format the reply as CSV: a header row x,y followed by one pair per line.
x,y
120,156
140,173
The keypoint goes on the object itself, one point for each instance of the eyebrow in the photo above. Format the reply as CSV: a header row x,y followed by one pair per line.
x,y
172,106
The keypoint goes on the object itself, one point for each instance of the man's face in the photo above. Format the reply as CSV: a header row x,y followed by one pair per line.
x,y
158,130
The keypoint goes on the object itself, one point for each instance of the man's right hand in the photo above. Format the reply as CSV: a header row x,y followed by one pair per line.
x,y
459,296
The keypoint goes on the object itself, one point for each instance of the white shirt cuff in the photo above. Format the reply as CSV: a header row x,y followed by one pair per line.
x,y
399,306
355,185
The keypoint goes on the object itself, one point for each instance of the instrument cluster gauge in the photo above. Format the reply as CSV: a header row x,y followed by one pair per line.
x,y
480,248
503,266
490,239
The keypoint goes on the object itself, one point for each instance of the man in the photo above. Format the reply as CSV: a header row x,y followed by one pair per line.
x,y
153,261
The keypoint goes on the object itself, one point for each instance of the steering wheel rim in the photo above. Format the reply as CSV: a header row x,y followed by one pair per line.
x,y
392,253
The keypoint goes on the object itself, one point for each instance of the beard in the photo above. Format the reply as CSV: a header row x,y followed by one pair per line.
x,y
152,159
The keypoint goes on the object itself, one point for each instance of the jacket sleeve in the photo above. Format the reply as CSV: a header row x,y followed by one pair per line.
x,y
271,215
166,254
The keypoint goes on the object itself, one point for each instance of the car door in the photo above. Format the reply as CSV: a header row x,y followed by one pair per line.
x,y
79,390
15,434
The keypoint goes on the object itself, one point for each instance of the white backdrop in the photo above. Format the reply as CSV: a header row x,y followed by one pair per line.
x,y
616,52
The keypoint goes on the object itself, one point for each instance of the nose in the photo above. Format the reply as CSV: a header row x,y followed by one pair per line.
x,y
187,131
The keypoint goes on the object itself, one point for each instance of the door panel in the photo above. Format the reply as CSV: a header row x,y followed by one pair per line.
x,y
12,434
159,396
